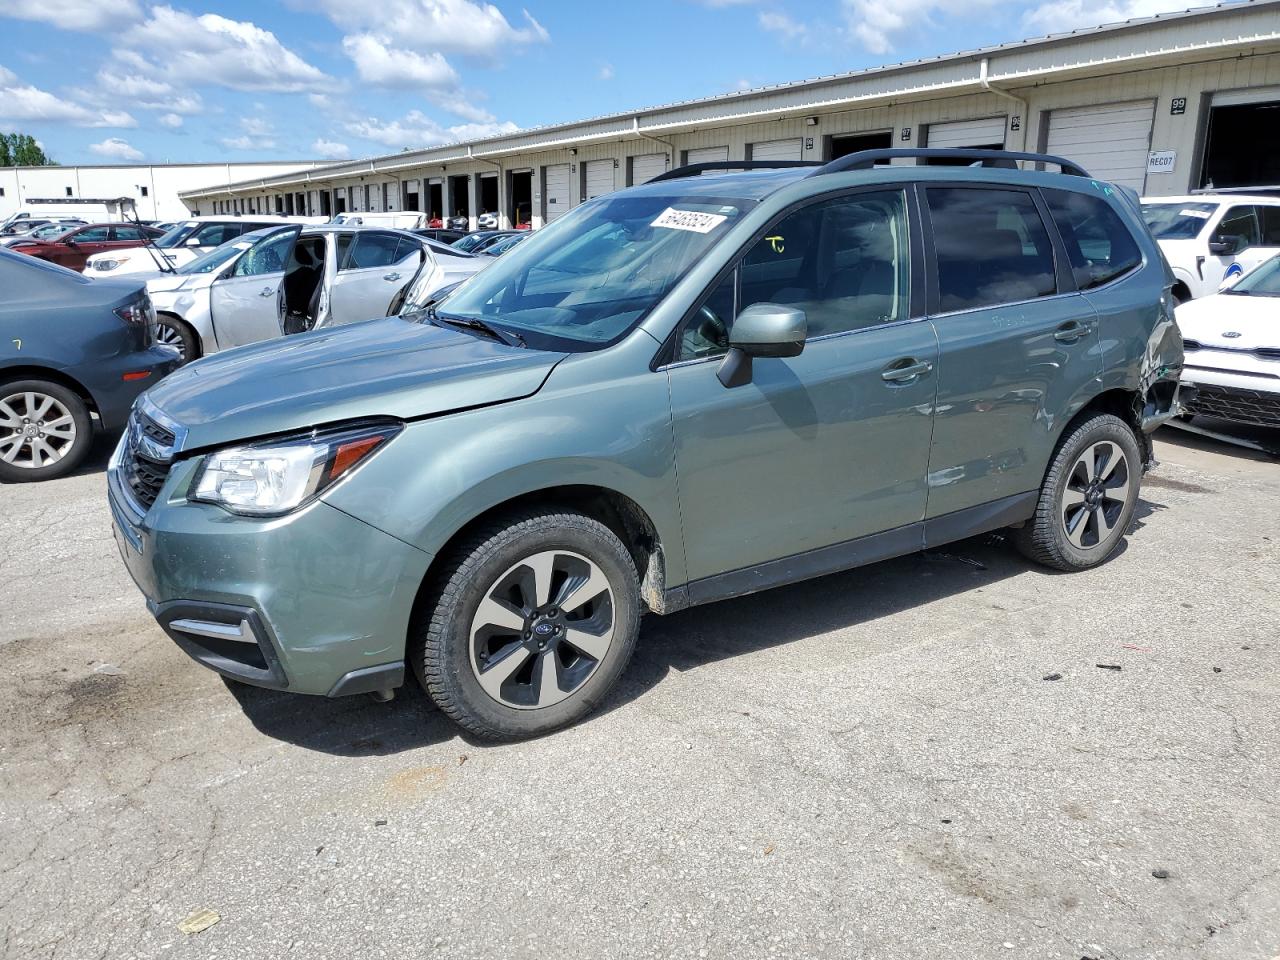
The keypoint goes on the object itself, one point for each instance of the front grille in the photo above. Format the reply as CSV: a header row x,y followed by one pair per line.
x,y
1231,403
145,463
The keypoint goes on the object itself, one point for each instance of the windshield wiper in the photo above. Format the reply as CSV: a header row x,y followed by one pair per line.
x,y
509,337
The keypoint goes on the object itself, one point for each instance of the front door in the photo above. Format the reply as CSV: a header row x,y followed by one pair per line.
x,y
825,447
1014,352
377,265
73,251
247,305
1255,229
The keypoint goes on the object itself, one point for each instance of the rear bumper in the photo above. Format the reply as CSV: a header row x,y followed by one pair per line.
x,y
113,394
314,602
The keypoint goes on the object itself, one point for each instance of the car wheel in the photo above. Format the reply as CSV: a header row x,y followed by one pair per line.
x,y
1087,498
172,332
45,431
530,625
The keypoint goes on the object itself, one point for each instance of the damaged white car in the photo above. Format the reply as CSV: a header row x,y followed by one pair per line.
x,y
290,279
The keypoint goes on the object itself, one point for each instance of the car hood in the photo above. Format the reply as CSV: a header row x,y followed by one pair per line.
x,y
392,367
1254,320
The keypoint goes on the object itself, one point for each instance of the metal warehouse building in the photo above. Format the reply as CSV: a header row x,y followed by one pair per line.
x,y
1165,105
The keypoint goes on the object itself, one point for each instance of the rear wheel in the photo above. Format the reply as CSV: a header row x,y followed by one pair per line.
x,y
533,622
1087,498
45,431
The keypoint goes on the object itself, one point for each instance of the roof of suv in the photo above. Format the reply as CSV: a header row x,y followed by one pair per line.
x,y
1216,198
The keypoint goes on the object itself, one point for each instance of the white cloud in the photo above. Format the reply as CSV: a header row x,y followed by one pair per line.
x,y
116,149
256,126
210,49
1061,15
330,149
606,71
248,143
875,24
379,64
462,26
418,130
130,76
88,15
21,102
777,22
170,120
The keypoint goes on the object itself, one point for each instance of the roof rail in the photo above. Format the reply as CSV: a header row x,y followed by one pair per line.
x,y
1007,159
695,169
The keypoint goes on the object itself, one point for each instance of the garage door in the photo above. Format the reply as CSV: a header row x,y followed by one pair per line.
x,y
598,179
645,168
706,154
557,192
1111,142
967,133
777,150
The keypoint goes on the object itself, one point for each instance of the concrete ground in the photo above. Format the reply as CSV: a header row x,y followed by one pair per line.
x,y
874,764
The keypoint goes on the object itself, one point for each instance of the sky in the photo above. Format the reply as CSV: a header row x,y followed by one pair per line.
x,y
127,81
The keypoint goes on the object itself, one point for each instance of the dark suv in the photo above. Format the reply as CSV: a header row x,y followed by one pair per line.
x,y
689,390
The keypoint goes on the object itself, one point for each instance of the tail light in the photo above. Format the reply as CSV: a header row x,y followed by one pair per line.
x,y
140,313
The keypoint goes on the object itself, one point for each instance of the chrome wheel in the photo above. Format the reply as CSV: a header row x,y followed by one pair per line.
x,y
1095,496
167,335
36,430
542,629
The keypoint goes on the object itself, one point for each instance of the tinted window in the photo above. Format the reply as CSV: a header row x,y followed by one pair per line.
x,y
372,250
1241,223
990,246
1270,217
844,262
127,233
1099,245
268,256
216,234
91,235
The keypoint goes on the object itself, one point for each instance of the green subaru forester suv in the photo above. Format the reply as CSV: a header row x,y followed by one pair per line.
x,y
712,384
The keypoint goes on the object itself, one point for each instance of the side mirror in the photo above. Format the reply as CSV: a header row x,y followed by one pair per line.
x,y
762,330
193,241
1225,246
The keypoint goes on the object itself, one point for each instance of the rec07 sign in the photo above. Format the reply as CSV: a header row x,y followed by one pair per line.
x,y
1161,161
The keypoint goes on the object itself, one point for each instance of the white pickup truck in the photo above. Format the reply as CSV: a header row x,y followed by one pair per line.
x,y
1213,238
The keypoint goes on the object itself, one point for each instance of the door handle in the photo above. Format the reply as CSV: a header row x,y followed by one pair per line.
x,y
900,371
268,292
1071,331
391,276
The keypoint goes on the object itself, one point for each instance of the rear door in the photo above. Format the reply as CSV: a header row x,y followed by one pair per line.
x,y
248,304
376,266
1017,343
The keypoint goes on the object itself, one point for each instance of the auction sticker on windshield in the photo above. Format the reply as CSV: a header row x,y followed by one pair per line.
x,y
692,220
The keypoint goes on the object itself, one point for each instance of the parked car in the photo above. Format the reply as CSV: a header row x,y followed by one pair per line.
x,y
72,248
502,244
840,364
1211,238
28,227
459,223
1232,344
441,235
473,242
72,352
181,243
390,219
44,231
487,221
289,279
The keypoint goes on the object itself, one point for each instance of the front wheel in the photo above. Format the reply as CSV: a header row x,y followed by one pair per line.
x,y
530,624
1087,498
45,431
175,333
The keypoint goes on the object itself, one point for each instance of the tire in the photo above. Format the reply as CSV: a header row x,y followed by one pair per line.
x,y
487,667
1080,520
173,332
45,431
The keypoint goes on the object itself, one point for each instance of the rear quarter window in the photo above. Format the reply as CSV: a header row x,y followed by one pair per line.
x,y
1099,246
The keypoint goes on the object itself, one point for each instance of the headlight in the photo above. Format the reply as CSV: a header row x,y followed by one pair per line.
x,y
273,478
109,263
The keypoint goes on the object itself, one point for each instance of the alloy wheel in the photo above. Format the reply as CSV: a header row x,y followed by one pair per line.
x,y
1095,496
36,430
167,335
542,629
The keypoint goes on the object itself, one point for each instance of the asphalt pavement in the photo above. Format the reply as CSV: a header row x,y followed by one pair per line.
x,y
877,764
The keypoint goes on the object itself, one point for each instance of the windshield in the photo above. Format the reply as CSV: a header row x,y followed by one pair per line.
x,y
1264,281
216,258
592,275
175,235
1177,221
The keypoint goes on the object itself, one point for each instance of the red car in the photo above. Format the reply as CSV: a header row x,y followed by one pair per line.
x,y
74,247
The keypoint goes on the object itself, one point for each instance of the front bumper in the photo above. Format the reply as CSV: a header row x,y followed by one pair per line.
x,y
313,602
1227,395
